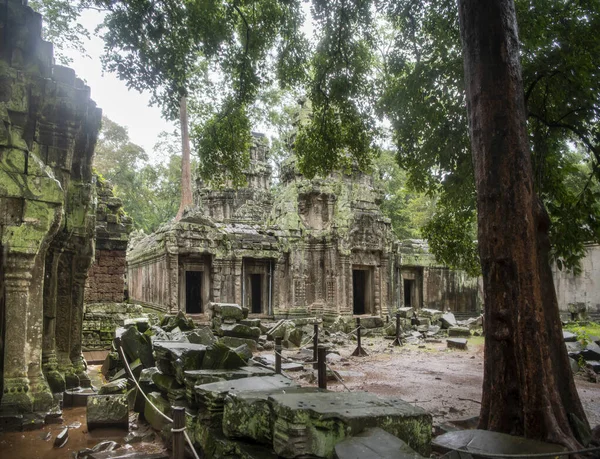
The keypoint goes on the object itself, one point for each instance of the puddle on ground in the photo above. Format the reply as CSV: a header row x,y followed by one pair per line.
x,y
37,444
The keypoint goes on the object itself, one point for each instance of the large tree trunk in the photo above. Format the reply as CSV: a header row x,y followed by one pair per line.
x,y
528,386
186,174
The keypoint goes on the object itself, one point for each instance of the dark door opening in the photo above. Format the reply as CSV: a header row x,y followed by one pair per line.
x,y
256,290
193,292
358,291
408,292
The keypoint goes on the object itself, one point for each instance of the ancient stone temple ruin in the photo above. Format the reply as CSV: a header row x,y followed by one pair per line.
x,y
312,247
47,210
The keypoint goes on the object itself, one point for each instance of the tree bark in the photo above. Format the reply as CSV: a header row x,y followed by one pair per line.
x,y
528,386
186,174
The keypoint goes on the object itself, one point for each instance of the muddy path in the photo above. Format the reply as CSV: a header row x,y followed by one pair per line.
x,y
447,383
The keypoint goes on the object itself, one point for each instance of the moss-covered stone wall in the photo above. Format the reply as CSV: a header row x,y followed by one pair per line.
x,y
47,215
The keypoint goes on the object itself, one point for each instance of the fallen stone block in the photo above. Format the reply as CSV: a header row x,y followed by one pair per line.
x,y
62,438
201,336
107,411
448,320
457,343
180,320
216,445
483,441
294,336
249,414
594,365
574,347
312,424
137,346
374,444
569,337
405,312
141,323
371,322
220,356
174,358
574,365
119,454
234,342
152,415
591,352
239,330
118,386
229,312
433,314
251,322
459,332
210,398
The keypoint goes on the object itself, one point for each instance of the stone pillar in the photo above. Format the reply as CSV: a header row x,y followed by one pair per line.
x,y
236,267
82,263
17,397
345,296
55,379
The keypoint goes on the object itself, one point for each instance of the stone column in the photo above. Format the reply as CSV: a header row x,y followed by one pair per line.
x,y
81,266
64,318
236,267
40,391
345,296
55,379
17,397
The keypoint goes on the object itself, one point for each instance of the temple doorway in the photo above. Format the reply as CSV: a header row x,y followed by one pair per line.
x,y
362,291
409,292
193,292
255,293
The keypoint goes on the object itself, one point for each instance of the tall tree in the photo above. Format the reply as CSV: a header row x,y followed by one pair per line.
x,y
528,388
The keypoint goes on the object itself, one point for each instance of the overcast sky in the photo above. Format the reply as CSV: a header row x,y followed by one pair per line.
x,y
126,107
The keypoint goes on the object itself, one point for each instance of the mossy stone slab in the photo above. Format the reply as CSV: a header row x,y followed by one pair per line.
x,y
375,444
312,424
249,414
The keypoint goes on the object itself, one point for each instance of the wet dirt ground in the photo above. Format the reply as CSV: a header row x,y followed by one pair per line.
x,y
447,383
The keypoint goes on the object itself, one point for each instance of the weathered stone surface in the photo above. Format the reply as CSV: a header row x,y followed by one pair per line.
x,y
568,336
201,336
483,441
234,342
591,352
180,320
152,415
405,313
211,397
448,320
118,386
220,356
374,443
107,411
574,365
174,357
457,343
312,424
239,330
574,348
459,332
433,314
228,311
249,414
293,335
137,346
251,322
371,322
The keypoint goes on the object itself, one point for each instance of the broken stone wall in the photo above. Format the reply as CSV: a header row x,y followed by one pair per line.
x,y
580,294
106,277
47,215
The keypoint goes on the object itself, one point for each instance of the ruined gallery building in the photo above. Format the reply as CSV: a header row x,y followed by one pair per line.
x,y
312,247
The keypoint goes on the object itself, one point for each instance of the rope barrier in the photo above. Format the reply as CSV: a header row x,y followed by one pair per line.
x,y
167,418
337,377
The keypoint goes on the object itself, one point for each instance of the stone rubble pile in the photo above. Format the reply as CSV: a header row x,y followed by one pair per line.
x,y
236,407
584,352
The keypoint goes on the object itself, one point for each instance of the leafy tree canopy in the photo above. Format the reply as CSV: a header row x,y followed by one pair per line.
x,y
397,61
150,191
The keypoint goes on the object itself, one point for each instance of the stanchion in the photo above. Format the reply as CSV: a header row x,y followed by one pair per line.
x,y
322,367
359,351
278,350
315,345
398,340
178,436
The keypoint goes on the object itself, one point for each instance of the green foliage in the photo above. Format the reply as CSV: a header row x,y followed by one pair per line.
x,y
407,209
424,98
61,26
150,192
168,46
